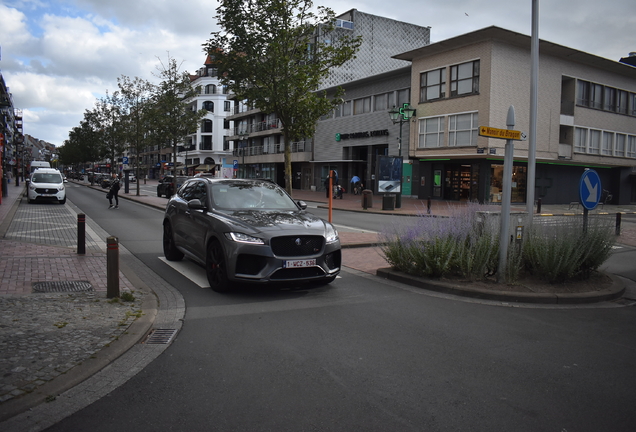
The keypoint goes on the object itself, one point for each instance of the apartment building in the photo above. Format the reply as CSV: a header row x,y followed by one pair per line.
x,y
258,145
586,118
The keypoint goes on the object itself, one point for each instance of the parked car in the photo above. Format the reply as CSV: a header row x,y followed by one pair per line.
x,y
249,231
46,184
165,186
132,178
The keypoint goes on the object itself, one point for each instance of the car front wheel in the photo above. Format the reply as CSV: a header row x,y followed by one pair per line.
x,y
170,250
216,268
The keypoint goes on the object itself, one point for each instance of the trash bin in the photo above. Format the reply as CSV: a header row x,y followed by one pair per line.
x,y
388,202
367,199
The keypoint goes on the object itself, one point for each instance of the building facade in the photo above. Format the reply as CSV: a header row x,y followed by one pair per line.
x,y
258,145
586,118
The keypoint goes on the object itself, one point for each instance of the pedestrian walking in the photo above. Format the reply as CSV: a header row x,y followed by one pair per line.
x,y
113,192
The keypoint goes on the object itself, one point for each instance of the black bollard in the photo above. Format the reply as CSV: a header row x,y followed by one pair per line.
x,y
112,267
619,216
81,234
428,205
539,206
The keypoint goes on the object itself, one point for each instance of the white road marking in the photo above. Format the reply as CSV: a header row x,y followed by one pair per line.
x,y
189,269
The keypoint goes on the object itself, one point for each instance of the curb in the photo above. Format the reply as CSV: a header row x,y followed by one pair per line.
x,y
615,292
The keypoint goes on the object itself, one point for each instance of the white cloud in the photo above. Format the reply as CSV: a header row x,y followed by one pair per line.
x,y
58,56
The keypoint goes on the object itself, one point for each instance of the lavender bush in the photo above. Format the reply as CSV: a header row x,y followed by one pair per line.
x,y
466,244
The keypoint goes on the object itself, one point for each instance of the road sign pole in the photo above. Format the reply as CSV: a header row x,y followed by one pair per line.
x,y
505,200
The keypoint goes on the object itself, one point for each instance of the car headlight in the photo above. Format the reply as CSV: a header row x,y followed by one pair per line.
x,y
331,234
243,238
60,188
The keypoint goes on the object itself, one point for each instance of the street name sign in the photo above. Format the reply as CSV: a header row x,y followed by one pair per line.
x,y
490,132
590,189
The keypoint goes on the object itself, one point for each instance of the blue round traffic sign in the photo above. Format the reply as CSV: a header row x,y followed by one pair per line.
x,y
590,189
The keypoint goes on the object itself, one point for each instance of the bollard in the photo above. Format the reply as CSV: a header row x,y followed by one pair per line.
x,y
112,267
428,205
539,206
81,234
619,216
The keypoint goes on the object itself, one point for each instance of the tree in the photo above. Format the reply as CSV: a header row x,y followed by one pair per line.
x,y
274,54
172,116
135,107
107,119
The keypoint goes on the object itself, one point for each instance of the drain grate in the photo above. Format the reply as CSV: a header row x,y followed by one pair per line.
x,y
160,336
64,286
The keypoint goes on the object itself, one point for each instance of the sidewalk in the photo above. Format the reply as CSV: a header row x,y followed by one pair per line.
x,y
53,340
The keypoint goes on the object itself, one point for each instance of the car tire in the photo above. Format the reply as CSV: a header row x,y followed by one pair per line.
x,y
63,201
216,267
170,250
158,193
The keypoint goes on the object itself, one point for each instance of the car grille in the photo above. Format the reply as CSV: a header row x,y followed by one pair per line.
x,y
293,246
297,273
45,191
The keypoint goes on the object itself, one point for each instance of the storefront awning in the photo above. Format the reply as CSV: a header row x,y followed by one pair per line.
x,y
205,167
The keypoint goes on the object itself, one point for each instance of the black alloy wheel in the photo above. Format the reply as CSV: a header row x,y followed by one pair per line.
x,y
216,268
170,250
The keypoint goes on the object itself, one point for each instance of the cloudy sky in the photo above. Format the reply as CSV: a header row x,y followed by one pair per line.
x,y
59,56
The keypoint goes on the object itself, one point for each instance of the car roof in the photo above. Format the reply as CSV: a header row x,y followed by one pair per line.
x,y
47,170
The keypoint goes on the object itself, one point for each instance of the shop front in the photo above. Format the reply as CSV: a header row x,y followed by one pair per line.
x,y
468,180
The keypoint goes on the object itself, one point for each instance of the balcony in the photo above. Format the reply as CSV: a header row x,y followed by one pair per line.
x,y
256,127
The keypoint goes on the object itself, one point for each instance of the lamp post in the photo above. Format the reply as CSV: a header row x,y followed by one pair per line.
x,y
401,115
243,135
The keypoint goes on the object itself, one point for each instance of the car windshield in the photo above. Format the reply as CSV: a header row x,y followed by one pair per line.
x,y
47,178
240,195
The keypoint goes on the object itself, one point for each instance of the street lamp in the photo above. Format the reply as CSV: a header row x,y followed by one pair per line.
x,y
243,142
401,115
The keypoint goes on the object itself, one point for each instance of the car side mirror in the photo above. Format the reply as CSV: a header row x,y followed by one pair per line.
x,y
302,205
196,204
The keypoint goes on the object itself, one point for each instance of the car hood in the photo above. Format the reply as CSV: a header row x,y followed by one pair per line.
x,y
259,220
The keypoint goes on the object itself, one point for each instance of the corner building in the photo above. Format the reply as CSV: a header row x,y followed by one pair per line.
x,y
586,119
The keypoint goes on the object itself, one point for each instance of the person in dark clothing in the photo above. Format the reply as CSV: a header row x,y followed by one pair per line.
x,y
327,186
114,192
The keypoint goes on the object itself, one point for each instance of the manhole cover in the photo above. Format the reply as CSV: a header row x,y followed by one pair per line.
x,y
64,286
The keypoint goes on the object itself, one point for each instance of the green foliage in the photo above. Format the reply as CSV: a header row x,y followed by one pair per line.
x,y
467,244
274,54
562,251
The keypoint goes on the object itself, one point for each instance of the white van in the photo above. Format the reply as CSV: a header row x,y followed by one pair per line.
x,y
39,164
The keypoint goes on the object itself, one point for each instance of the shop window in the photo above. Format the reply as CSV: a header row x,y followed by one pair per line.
x,y
518,184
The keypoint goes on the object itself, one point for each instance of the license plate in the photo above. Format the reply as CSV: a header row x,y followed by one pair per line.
x,y
299,263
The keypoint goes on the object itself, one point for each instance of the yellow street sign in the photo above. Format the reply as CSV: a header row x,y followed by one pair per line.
x,y
502,133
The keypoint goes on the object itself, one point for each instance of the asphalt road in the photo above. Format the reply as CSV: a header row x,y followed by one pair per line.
x,y
366,354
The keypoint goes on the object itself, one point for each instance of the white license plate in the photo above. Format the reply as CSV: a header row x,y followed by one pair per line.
x,y
299,263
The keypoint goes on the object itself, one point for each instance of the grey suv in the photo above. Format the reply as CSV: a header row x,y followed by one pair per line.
x,y
249,231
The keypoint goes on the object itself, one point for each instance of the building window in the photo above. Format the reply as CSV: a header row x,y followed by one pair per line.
x,y
206,125
433,85
608,143
226,124
383,101
583,96
226,90
208,106
596,96
210,89
631,146
346,108
227,106
595,142
403,96
620,145
463,130
621,102
431,133
361,106
465,78
609,99
580,140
